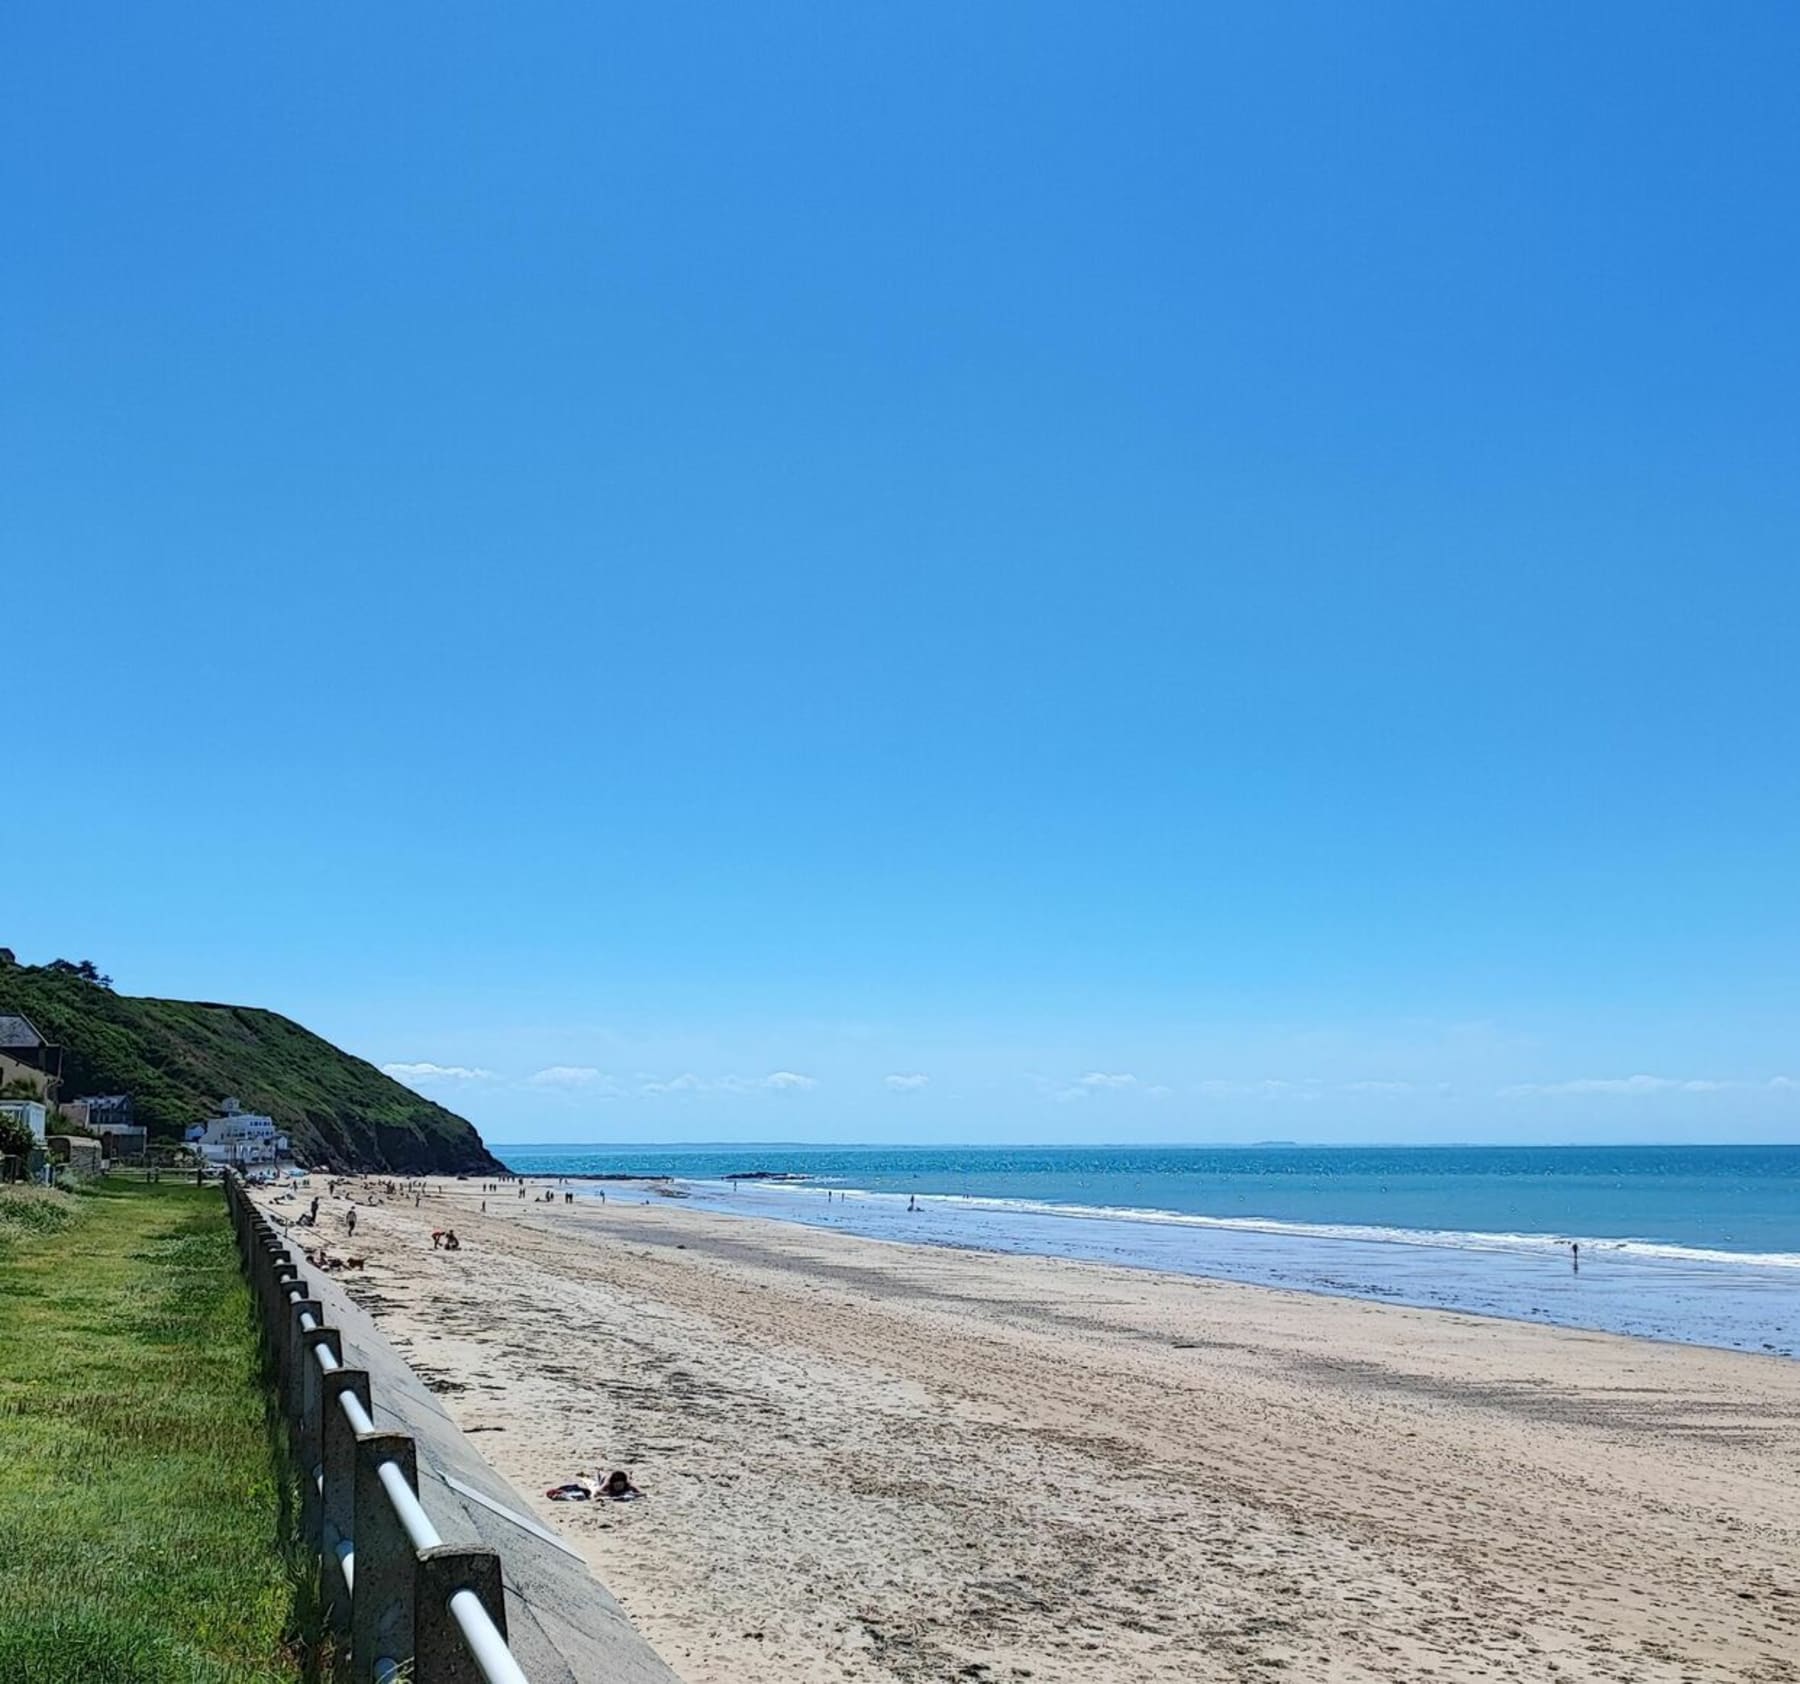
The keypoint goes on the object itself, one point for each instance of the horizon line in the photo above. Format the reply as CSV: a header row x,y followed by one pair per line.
x,y
1121,1146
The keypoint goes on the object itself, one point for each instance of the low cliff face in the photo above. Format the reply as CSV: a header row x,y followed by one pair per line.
x,y
179,1058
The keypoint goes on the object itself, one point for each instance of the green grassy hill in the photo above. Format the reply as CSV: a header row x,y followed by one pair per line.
x,y
179,1058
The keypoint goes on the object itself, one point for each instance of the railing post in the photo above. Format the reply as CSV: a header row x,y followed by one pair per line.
x,y
262,1275
440,1654
268,1256
312,1390
381,1611
337,1459
296,1360
283,1279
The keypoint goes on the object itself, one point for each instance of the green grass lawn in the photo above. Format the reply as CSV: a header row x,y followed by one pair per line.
x,y
145,1512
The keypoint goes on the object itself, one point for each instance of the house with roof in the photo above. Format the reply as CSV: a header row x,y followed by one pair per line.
x,y
28,1055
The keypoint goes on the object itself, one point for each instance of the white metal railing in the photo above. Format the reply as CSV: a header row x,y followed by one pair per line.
x,y
416,1591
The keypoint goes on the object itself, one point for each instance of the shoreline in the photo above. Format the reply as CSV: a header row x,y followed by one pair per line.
x,y
1173,1276
1637,1289
877,1461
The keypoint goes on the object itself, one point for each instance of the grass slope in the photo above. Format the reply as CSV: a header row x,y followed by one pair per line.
x,y
142,1504
179,1058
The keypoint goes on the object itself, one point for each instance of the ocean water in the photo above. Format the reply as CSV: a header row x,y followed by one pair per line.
x,y
1692,1243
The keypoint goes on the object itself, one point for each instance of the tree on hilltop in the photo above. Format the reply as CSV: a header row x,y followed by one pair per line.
x,y
86,969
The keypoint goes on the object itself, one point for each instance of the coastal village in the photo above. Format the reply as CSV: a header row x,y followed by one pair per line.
x,y
43,1130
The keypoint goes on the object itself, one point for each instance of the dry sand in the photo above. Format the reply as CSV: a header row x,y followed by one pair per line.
x,y
870,1461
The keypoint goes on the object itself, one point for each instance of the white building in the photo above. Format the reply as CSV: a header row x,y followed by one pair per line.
x,y
238,1137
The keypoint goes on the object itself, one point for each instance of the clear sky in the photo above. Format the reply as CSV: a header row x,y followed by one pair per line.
x,y
943,572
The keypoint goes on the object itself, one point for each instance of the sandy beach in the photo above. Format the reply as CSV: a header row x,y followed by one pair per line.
x,y
871,1461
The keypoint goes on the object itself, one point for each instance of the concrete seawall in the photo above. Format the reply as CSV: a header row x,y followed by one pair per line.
x,y
564,1626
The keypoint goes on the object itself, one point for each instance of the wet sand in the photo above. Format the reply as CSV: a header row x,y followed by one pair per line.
x,y
869,1461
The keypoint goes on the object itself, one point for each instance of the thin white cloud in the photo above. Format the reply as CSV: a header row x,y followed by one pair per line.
x,y
790,1080
566,1076
776,1081
686,1083
1640,1085
1272,1088
425,1071
1098,1082
1312,1088
906,1083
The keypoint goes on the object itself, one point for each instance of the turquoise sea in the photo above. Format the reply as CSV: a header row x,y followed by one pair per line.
x,y
1694,1243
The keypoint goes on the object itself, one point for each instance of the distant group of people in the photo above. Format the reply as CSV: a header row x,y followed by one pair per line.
x,y
366,1192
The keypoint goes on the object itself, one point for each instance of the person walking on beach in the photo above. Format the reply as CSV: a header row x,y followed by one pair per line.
x,y
350,1220
1575,1255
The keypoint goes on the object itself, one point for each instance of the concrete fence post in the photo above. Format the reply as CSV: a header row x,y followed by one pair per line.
x,y
265,1278
283,1277
381,1611
311,1428
440,1655
297,1357
262,1274
312,1390
268,1251
337,1459
286,1274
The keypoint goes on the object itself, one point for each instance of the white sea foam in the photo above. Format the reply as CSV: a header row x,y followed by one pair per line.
x,y
1448,1239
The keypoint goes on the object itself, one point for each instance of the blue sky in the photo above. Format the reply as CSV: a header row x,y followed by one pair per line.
x,y
1152,572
